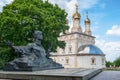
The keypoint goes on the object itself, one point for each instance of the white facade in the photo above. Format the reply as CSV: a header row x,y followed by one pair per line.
x,y
80,61
80,50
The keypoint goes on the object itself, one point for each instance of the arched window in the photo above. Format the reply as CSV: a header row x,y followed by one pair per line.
x,y
93,60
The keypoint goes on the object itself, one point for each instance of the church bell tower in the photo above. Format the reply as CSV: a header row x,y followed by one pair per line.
x,y
76,22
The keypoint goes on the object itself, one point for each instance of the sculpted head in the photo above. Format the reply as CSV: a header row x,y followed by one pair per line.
x,y
38,35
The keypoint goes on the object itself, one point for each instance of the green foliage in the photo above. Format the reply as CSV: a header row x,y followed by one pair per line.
x,y
117,62
6,55
108,64
19,20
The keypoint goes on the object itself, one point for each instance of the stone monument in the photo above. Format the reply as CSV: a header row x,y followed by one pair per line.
x,y
32,57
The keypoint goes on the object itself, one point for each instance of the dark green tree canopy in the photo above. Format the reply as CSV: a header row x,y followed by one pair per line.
x,y
19,20
108,64
117,62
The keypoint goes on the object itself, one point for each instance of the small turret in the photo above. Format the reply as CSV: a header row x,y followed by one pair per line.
x,y
87,25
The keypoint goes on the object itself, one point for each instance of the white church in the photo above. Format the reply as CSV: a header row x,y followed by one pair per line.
x,y
80,50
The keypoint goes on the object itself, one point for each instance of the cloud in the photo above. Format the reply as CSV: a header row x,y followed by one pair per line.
x,y
3,3
86,4
69,5
115,30
111,49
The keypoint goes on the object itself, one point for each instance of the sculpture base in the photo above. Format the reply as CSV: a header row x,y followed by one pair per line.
x,y
37,68
55,74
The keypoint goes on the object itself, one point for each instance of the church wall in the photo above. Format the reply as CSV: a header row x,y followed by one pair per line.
x,y
66,61
82,61
86,62
84,39
71,45
75,41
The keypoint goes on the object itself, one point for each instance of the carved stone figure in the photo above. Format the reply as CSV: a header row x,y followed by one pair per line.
x,y
31,57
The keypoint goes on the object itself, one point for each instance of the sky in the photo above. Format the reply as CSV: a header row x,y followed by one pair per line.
x,y
105,21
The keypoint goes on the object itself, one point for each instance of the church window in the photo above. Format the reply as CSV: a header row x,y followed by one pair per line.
x,y
70,49
93,61
67,60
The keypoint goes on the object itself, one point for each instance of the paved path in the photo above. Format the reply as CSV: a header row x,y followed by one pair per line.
x,y
107,75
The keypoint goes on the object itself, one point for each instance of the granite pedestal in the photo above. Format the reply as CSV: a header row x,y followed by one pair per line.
x,y
55,74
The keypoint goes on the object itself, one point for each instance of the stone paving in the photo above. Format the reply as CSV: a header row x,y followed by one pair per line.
x,y
107,75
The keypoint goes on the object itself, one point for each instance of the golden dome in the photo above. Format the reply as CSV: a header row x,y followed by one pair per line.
x,y
76,14
87,20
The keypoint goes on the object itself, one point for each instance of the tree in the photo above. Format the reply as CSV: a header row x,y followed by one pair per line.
x,y
108,64
20,19
117,62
